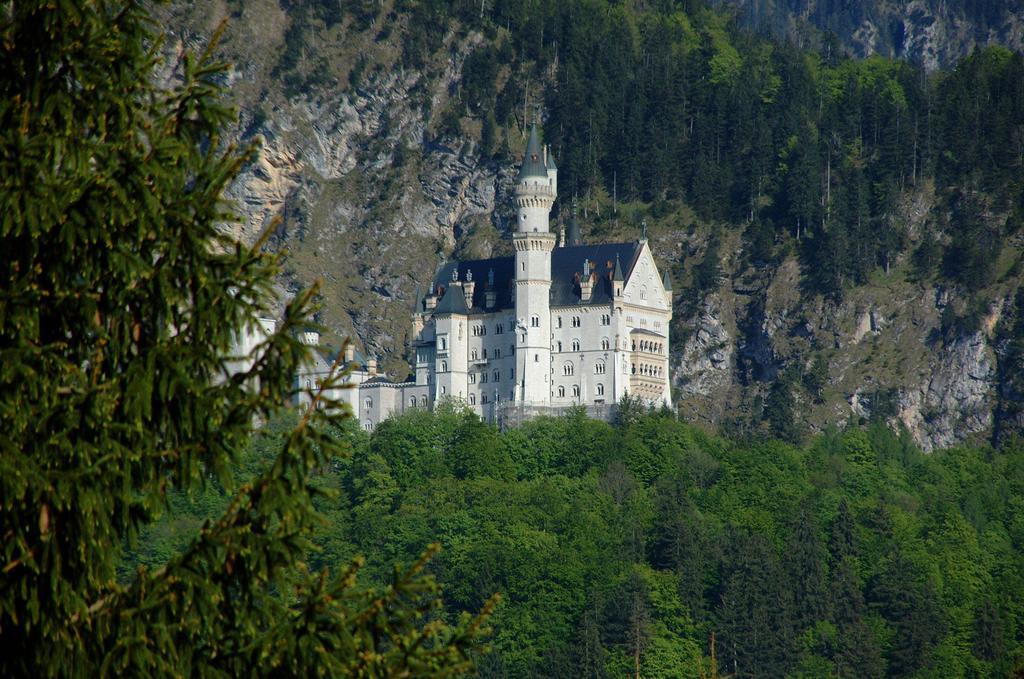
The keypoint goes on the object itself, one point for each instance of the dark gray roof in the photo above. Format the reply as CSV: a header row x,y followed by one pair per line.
x,y
617,276
533,160
551,161
572,234
566,266
644,331
453,302
666,281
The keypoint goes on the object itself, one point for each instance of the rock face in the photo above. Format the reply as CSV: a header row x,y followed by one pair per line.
x,y
933,33
371,195
957,399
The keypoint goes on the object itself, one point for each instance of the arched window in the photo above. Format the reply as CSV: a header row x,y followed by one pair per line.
x,y
483,378
634,345
643,292
497,375
472,378
600,389
472,399
423,401
535,321
367,426
558,322
599,368
412,401
309,384
444,366
567,368
368,403
575,391
606,319
444,390
575,345
473,354
483,398
605,344
575,321
499,328
536,358
444,343
561,392
497,353
558,346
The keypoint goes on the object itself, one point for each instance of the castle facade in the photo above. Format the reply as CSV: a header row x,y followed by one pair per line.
x,y
558,324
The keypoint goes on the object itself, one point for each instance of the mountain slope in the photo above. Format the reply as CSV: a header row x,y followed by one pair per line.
x,y
844,235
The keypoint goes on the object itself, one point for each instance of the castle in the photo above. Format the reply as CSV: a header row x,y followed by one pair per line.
x,y
555,325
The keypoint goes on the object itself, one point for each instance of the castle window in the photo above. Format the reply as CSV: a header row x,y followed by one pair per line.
x,y
605,344
443,343
472,399
561,392
423,401
444,366
483,398
536,358
497,375
575,321
497,353
575,391
600,389
558,346
367,426
558,322
599,368
606,319
309,385
499,328
472,378
535,321
485,353
473,355
575,345
483,378
368,403
643,292
567,368
412,401
444,390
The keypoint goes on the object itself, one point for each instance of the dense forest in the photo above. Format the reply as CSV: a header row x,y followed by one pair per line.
x,y
672,102
639,544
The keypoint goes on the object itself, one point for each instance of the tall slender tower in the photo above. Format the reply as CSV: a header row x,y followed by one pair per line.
x,y
534,196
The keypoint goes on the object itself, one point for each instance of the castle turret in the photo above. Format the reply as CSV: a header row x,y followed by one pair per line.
x,y
533,242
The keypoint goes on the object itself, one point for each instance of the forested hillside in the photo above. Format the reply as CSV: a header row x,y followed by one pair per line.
x,y
844,235
634,545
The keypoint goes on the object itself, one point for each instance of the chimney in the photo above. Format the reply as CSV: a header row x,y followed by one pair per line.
x,y
350,352
371,365
467,289
430,301
586,282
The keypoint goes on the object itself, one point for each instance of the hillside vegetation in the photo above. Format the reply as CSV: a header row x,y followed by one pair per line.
x,y
634,544
844,235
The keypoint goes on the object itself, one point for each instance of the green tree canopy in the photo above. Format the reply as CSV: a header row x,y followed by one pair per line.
x,y
121,295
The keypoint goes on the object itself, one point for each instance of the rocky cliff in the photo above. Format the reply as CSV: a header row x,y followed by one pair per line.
x,y
374,187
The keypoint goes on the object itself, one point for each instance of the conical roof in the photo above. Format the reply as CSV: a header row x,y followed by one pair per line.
x,y
617,276
666,281
551,160
572,234
533,161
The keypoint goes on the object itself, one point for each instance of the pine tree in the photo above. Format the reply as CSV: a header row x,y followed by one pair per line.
x,y
120,297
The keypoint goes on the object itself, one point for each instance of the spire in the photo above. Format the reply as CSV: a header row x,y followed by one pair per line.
x,y
666,282
533,161
617,276
551,160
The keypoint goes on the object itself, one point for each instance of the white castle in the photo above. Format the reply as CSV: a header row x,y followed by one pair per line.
x,y
511,337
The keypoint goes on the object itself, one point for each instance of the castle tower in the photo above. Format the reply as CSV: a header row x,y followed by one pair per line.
x,y
534,195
